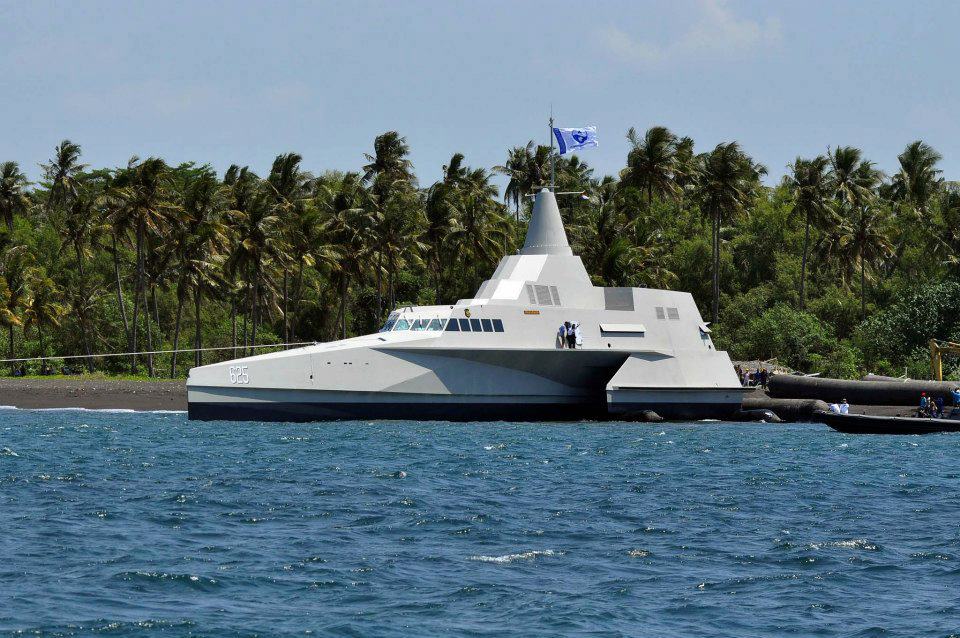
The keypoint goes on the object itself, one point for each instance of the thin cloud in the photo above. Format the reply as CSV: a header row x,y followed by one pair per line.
x,y
716,32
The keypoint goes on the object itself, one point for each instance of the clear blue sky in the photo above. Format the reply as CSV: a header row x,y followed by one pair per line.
x,y
240,82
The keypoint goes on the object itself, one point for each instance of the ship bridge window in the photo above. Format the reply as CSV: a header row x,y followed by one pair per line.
x,y
475,325
435,324
465,325
453,326
487,325
419,324
402,324
497,325
387,327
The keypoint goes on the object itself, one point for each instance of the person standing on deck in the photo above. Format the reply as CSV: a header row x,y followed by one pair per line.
x,y
562,334
578,336
571,336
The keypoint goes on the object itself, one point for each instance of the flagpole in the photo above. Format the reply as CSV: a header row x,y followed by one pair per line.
x,y
553,159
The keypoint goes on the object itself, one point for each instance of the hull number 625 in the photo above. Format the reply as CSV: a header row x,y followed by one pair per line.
x,y
238,374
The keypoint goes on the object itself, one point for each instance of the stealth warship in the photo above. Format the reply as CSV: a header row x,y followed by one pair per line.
x,y
496,355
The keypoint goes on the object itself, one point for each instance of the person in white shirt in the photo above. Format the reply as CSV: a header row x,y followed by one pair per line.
x,y
578,334
844,407
835,408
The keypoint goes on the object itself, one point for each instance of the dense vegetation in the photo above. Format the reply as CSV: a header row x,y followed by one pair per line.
x,y
838,269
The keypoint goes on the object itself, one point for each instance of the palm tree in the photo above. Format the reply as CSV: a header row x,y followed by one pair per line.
x,y
809,182
79,227
289,188
257,241
349,221
199,243
62,173
481,232
389,174
914,185
42,308
12,198
15,267
727,180
918,179
860,237
651,163
8,317
528,168
515,168
144,207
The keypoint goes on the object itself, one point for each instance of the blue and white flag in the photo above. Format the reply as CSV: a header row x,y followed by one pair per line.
x,y
571,139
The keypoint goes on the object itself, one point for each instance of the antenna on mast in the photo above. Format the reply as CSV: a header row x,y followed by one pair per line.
x,y
553,159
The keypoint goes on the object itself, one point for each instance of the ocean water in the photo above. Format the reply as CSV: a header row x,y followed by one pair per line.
x,y
148,524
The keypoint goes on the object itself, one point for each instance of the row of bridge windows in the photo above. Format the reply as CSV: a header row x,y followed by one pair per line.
x,y
436,325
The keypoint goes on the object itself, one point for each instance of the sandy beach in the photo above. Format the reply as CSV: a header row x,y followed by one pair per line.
x,y
93,393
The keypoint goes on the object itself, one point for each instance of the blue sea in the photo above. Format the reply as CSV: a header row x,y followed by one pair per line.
x,y
125,524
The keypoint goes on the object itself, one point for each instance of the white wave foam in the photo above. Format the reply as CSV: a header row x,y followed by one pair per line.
x,y
101,410
853,543
7,452
509,558
638,553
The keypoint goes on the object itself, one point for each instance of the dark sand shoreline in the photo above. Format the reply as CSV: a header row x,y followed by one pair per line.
x,y
97,394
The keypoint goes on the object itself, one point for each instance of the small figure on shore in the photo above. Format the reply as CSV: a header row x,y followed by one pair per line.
x,y
938,403
924,405
763,378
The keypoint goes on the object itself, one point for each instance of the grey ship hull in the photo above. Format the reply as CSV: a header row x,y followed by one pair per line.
x,y
315,406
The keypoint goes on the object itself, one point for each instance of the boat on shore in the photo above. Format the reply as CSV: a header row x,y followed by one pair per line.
x,y
870,424
497,355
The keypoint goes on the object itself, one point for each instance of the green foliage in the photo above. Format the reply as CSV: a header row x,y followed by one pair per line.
x,y
836,269
896,332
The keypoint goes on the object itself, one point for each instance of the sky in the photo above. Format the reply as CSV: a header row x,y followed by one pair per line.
x,y
240,82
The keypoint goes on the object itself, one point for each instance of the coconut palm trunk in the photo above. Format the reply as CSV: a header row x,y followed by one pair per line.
x,y
233,325
863,287
81,311
11,356
116,274
803,262
149,322
715,314
286,322
198,334
138,290
176,331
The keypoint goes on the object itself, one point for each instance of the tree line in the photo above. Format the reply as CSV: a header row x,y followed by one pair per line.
x,y
837,268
